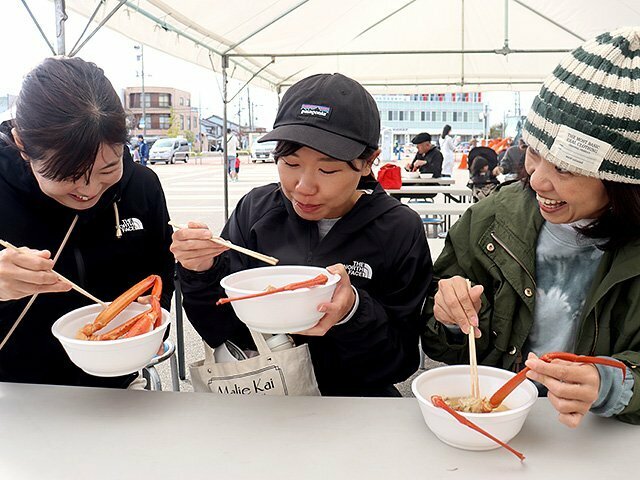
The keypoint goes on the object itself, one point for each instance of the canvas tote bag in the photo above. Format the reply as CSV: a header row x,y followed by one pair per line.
x,y
282,372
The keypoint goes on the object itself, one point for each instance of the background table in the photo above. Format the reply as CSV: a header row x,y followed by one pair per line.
x,y
428,181
84,433
450,192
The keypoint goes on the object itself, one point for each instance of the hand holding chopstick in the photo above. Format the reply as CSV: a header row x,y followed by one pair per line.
x,y
228,244
73,285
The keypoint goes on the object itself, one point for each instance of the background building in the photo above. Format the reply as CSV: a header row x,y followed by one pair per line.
x,y
407,115
6,102
162,105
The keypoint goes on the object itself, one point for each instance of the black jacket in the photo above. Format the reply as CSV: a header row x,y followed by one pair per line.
x,y
378,346
93,258
434,162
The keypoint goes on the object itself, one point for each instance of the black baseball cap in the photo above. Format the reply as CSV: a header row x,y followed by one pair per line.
x,y
332,114
421,138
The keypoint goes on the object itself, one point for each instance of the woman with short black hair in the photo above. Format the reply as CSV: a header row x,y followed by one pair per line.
x,y
65,169
327,210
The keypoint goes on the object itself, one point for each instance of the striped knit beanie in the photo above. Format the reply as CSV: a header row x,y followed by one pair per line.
x,y
586,117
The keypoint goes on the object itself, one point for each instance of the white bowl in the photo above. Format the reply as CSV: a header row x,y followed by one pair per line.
x,y
455,381
109,358
284,312
426,175
412,174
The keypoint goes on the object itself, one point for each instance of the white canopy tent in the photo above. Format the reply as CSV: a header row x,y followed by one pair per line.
x,y
390,46
408,46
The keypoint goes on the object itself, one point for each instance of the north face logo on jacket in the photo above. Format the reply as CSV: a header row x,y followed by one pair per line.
x,y
359,269
131,225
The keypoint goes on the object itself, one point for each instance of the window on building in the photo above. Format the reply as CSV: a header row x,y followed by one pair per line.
x,y
423,116
147,100
401,115
465,116
412,116
188,123
164,100
142,124
188,102
164,122
390,115
433,116
181,121
444,116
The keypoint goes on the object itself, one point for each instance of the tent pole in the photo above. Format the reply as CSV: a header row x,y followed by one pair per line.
x,y
61,17
506,25
225,159
462,45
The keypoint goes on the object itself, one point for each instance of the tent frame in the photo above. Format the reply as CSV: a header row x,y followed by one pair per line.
x,y
227,57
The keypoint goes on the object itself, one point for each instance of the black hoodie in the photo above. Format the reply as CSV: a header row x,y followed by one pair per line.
x,y
94,258
383,246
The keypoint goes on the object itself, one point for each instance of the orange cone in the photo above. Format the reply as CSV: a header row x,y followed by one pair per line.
x,y
463,162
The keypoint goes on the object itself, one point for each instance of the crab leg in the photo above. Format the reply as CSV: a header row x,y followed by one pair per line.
x,y
141,323
438,401
319,280
498,397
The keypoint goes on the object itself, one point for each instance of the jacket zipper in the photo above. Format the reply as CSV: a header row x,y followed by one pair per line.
x,y
595,334
501,243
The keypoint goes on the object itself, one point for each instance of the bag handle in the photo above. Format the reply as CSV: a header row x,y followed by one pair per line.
x,y
258,339
261,343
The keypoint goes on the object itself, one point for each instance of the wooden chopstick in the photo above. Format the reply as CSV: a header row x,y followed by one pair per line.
x,y
77,288
35,295
226,243
473,361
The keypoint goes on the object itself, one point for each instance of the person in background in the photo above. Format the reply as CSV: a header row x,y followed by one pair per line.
x,y
327,210
512,163
398,150
136,154
232,153
428,159
237,168
482,182
65,167
447,147
554,260
144,151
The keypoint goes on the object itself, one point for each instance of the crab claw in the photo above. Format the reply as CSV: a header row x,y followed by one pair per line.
x,y
439,402
141,323
502,393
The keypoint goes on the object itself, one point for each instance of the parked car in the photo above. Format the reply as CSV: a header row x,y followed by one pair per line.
x,y
169,150
262,151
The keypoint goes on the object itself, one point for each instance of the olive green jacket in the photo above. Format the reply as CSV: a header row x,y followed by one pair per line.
x,y
494,244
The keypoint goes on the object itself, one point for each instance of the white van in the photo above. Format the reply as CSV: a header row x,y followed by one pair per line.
x,y
262,151
168,150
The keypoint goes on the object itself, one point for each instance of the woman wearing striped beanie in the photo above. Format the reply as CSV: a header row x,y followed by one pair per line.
x,y
555,260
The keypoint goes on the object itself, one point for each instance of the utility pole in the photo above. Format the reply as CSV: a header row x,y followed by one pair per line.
x,y
250,110
143,99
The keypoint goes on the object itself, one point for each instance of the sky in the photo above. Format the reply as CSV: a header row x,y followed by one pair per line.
x,y
24,48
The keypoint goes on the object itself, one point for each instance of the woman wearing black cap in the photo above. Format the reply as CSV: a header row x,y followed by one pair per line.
x,y
327,210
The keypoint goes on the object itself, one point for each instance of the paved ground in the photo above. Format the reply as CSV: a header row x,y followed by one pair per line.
x,y
194,191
